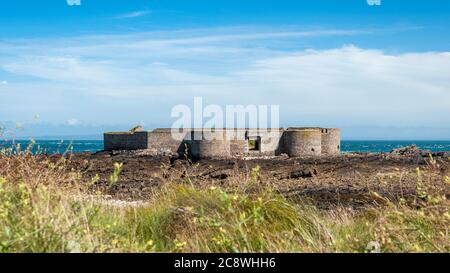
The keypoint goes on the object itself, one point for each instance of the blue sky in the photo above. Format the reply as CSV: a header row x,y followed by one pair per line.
x,y
375,71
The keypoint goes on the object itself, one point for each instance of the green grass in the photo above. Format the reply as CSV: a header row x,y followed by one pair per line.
x,y
44,208
252,144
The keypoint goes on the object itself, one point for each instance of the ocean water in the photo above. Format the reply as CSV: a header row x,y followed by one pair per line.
x,y
389,145
78,146
56,146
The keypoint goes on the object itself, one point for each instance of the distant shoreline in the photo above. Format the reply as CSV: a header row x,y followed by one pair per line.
x,y
51,146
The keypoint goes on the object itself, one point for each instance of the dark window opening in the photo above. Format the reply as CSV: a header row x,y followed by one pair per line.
x,y
313,150
254,144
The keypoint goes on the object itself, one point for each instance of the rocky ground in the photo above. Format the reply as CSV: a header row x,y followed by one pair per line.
x,y
355,180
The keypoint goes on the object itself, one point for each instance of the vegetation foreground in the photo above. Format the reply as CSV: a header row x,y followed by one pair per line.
x,y
45,207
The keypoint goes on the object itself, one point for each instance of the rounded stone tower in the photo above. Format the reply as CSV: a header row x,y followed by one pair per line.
x,y
331,141
303,141
210,145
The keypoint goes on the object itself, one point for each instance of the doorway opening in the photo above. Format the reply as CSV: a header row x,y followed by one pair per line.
x,y
254,143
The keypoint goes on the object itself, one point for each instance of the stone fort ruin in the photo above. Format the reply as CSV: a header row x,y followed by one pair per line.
x,y
223,143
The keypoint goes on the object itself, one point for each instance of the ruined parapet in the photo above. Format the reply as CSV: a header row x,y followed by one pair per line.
x,y
223,143
331,141
303,141
209,144
125,141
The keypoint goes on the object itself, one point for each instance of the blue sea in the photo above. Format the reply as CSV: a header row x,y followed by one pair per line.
x,y
78,146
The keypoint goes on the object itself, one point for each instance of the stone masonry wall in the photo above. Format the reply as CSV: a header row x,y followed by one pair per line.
x,y
331,141
303,142
125,141
161,141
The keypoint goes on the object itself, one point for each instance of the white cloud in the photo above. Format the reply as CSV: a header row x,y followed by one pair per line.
x,y
358,85
134,14
73,122
163,43
3,82
145,74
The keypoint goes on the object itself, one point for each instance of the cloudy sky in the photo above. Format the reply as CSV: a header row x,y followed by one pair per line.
x,y
378,72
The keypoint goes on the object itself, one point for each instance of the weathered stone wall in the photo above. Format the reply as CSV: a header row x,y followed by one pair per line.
x,y
125,141
303,142
238,142
162,141
208,143
331,141
238,147
270,142
209,148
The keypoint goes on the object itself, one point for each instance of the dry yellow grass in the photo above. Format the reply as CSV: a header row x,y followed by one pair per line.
x,y
44,207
